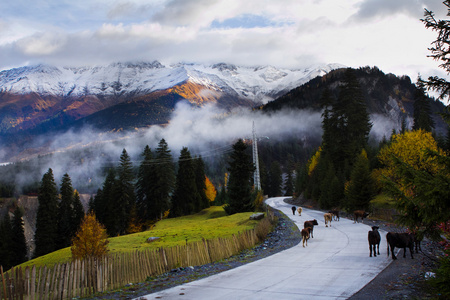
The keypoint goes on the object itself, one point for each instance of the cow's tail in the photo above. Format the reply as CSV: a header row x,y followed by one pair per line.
x,y
387,250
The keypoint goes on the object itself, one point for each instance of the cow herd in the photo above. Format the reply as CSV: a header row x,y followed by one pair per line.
x,y
393,239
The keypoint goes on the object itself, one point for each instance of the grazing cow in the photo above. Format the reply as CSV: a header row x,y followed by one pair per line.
x,y
293,210
335,214
400,240
374,241
360,214
305,235
328,217
310,224
299,210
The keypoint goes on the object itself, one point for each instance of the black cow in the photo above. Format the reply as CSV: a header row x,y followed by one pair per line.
x,y
400,240
335,214
293,210
310,224
374,241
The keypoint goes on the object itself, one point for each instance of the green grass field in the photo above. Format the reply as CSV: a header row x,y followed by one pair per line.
x,y
208,224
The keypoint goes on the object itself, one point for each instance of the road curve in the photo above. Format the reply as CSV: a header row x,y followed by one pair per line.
x,y
334,265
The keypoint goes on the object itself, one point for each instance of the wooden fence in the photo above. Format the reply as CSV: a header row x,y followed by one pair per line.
x,y
89,276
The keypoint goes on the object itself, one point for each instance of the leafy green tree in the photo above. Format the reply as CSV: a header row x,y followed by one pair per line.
x,y
239,185
18,243
46,227
186,199
165,171
66,213
361,188
125,197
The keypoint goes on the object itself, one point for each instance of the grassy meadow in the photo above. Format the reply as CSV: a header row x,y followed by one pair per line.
x,y
210,223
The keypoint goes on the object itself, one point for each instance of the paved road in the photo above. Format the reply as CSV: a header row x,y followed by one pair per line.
x,y
334,265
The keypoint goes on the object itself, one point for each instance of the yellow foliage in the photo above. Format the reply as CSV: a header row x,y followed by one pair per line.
x,y
313,161
210,190
90,240
259,200
409,147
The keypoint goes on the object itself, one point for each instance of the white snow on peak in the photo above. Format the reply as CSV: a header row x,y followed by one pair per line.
x,y
257,83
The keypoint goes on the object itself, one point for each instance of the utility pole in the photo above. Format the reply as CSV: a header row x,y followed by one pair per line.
x,y
256,178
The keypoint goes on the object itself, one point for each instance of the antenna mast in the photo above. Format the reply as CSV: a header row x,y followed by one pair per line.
x,y
256,178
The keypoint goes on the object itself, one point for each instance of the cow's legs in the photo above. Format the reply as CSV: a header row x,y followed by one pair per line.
x,y
392,252
370,248
378,249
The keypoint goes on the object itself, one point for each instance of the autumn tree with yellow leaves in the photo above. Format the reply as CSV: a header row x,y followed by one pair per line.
x,y
91,239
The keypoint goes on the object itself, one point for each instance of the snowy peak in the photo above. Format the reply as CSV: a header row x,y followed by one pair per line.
x,y
259,84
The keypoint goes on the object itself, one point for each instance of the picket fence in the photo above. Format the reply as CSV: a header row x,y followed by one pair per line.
x,y
83,278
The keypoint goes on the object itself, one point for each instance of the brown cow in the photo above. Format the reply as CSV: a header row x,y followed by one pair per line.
x,y
360,214
374,241
328,217
400,240
305,235
299,210
310,224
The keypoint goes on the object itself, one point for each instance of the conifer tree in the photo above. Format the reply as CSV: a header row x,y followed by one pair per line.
x,y
65,213
275,178
186,199
145,188
125,197
78,212
200,178
6,255
165,171
289,185
46,234
422,110
105,206
239,185
18,244
361,188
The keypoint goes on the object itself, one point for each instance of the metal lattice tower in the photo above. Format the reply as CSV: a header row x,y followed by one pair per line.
x,y
256,178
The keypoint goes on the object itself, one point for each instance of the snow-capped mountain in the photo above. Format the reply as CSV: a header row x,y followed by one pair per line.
x,y
259,84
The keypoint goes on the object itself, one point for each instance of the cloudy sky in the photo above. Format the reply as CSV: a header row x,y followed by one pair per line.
x,y
282,33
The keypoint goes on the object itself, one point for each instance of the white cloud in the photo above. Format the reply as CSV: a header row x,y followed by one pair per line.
x,y
284,33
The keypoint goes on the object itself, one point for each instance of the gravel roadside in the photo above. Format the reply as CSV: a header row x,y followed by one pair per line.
x,y
402,279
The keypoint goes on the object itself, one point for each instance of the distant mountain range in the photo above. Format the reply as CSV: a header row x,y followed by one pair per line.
x,y
44,100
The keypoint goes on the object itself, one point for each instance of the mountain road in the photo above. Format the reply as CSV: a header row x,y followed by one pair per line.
x,y
334,265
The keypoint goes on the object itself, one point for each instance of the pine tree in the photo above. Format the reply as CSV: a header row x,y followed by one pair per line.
x,y
78,212
165,171
239,185
145,188
349,124
46,228
18,244
275,178
105,206
289,185
125,197
422,110
6,255
186,199
65,213
362,186
200,178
